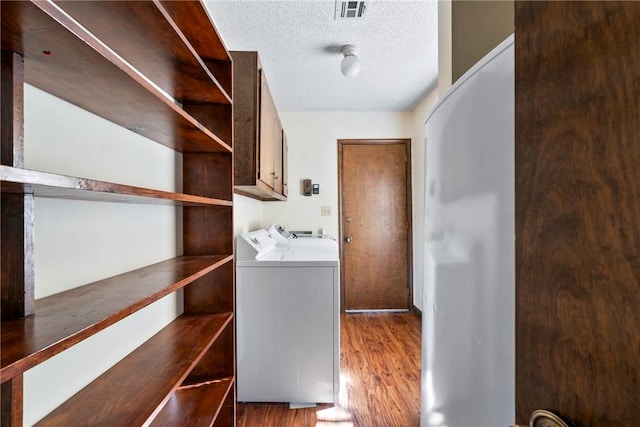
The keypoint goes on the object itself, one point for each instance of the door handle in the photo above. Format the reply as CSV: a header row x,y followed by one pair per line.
x,y
348,239
348,219
544,418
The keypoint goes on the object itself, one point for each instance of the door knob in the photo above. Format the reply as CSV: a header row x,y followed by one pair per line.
x,y
544,418
348,239
348,219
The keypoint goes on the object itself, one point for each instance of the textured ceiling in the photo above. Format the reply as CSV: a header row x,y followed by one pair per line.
x,y
299,44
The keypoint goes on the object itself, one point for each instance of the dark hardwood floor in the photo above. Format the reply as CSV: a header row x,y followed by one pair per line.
x,y
380,379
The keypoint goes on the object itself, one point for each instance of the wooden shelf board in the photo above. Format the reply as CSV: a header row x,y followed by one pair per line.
x,y
144,34
195,406
66,60
194,20
44,184
133,391
64,319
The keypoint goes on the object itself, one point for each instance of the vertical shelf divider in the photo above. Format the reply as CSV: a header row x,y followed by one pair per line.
x,y
17,226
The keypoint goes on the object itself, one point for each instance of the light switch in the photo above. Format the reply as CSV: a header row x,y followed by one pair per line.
x,y
325,210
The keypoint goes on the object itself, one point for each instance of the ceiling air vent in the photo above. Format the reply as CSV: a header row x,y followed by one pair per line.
x,y
350,9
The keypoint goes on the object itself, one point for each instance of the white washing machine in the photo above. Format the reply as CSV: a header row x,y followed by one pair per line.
x,y
288,318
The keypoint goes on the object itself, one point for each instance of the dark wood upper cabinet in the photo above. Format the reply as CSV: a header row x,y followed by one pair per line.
x,y
161,70
260,141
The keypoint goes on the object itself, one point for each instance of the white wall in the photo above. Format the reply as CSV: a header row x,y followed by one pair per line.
x,y
313,153
247,214
77,242
445,46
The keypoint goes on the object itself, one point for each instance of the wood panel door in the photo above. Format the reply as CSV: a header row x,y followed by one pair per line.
x,y
375,224
578,211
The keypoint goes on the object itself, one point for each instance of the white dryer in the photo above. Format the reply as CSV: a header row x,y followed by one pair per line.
x,y
288,318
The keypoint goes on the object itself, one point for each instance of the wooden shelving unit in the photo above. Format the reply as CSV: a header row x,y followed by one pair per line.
x,y
159,69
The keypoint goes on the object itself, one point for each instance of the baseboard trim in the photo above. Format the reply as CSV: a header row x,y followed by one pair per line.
x,y
390,310
416,311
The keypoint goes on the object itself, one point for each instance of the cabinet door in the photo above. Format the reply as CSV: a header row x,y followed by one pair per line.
x,y
269,135
277,155
285,164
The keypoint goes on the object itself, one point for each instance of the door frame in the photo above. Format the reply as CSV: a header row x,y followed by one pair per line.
x,y
369,141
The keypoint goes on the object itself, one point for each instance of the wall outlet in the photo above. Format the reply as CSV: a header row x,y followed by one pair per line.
x,y
325,210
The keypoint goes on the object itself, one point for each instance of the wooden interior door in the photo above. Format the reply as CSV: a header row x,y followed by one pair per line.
x,y
578,211
375,224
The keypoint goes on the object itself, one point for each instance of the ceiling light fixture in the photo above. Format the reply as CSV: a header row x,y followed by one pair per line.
x,y
350,65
